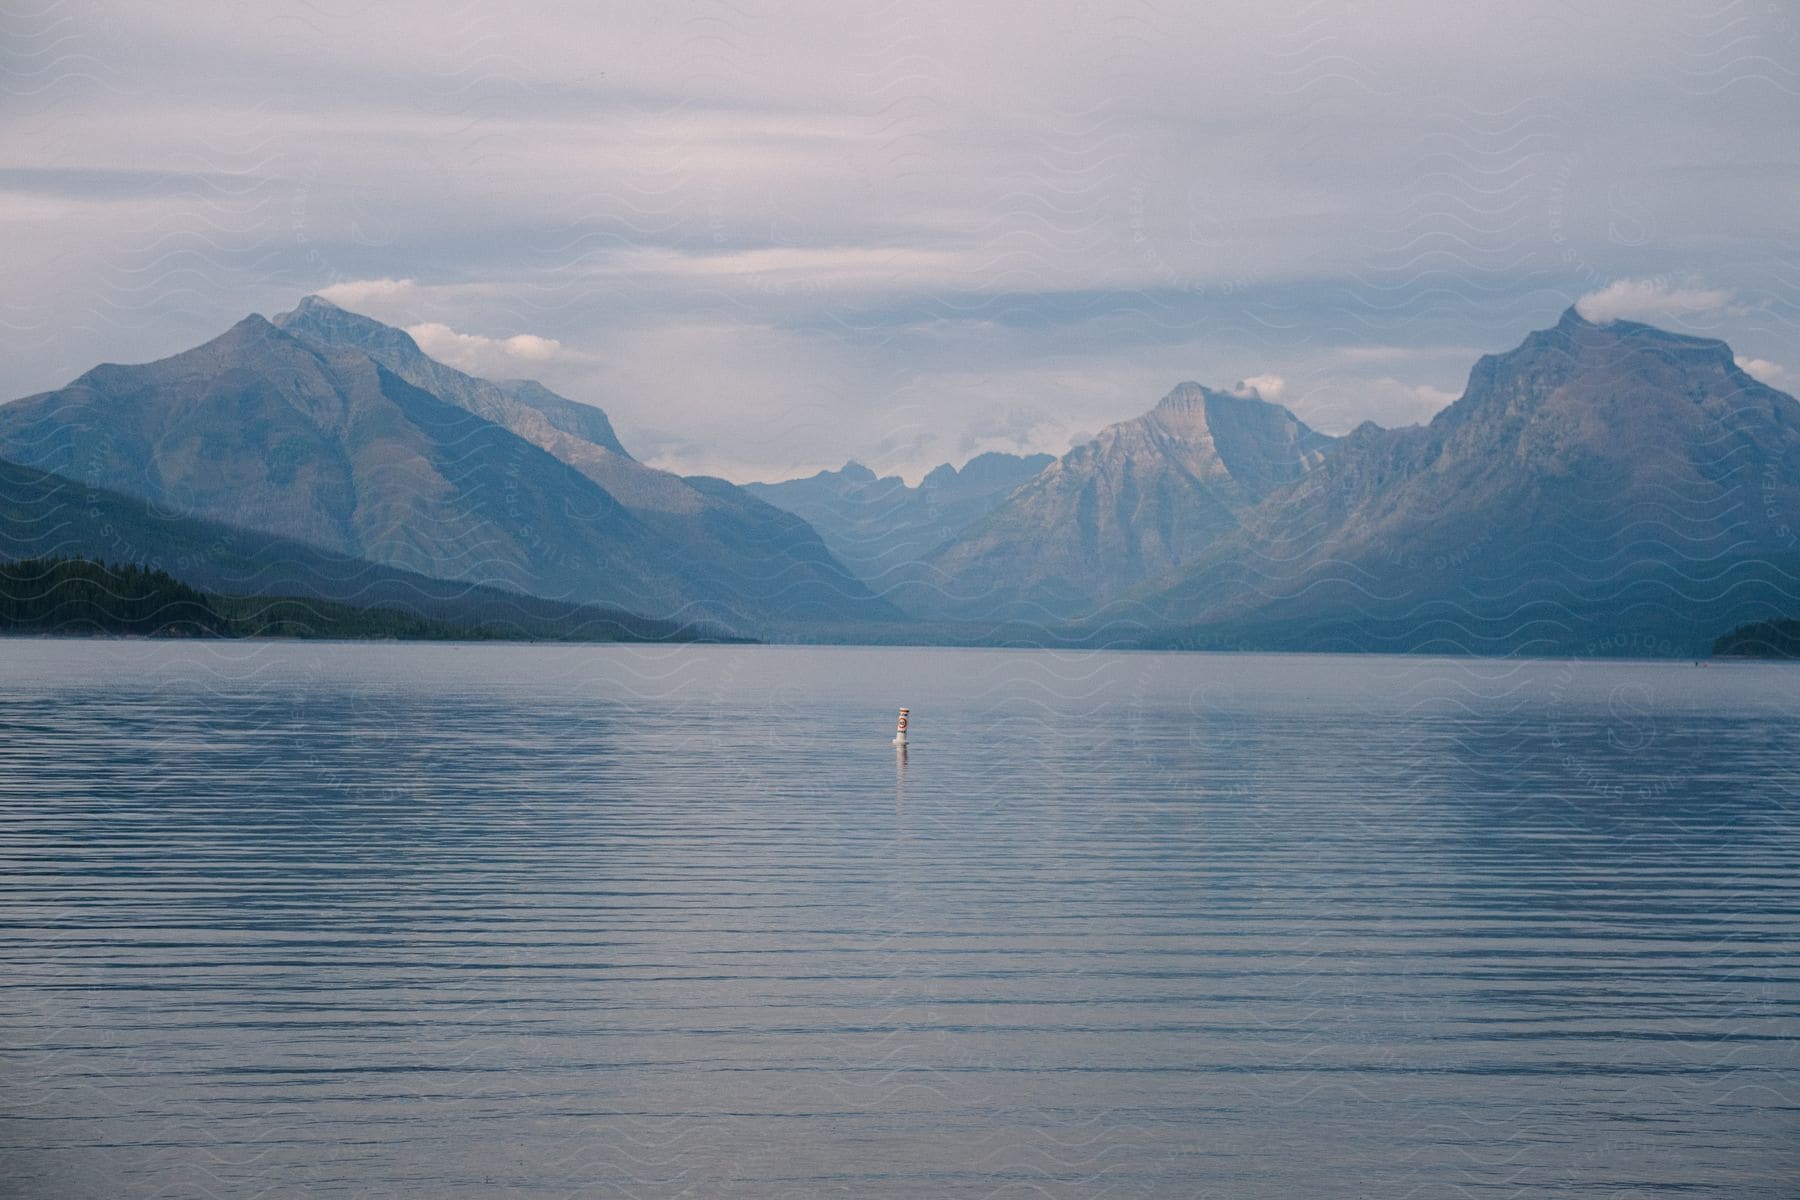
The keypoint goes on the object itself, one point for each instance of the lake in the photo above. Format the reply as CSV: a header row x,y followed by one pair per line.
x,y
295,920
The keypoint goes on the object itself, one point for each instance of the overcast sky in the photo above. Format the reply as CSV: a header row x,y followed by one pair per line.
x,y
767,238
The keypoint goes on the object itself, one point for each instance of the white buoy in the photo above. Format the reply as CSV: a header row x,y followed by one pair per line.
x,y
900,733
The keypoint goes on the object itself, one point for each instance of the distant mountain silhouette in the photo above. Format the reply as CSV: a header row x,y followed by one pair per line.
x,y
329,447
880,527
1601,489
323,439
746,560
1140,500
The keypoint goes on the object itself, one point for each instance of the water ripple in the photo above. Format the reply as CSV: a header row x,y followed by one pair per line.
x,y
652,921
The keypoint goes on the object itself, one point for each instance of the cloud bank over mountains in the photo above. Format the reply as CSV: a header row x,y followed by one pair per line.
x,y
909,232
1649,301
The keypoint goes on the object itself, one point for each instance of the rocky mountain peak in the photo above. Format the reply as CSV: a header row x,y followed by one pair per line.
x,y
939,476
1185,397
1577,369
322,321
1209,417
252,329
1572,319
1574,336
252,339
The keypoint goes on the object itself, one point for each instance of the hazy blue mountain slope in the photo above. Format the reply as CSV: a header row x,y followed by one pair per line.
x,y
1140,500
879,527
327,446
744,558
44,515
1600,489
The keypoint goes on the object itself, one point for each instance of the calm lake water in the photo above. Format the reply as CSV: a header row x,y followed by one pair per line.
x,y
477,921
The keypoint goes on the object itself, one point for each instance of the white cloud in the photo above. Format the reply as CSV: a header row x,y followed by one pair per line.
x,y
1771,373
480,355
361,295
1648,300
1263,387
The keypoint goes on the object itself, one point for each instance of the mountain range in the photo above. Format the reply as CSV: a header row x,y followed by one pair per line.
x,y
334,430
1133,504
1601,489
880,528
